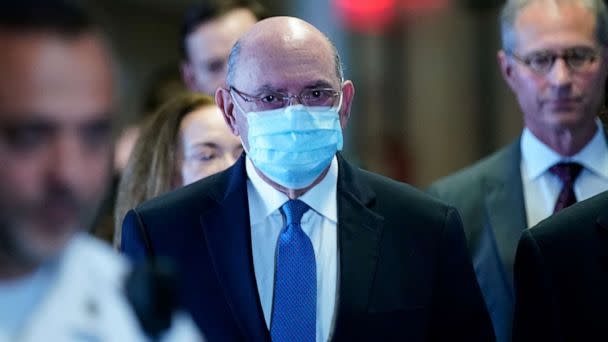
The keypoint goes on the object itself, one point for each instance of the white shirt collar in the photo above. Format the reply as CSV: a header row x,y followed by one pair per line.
x,y
321,198
538,157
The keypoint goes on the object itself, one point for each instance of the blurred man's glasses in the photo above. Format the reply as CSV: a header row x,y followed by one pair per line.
x,y
577,59
311,97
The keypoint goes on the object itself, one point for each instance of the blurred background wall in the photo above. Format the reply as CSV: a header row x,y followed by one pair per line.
x,y
429,96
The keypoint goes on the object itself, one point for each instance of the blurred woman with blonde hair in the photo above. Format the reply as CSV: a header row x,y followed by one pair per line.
x,y
186,140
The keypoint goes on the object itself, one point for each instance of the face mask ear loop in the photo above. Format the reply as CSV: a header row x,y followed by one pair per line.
x,y
238,106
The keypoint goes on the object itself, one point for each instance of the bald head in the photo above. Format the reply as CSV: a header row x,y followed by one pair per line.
x,y
278,35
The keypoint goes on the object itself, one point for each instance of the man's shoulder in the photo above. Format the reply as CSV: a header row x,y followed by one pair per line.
x,y
573,223
388,187
403,199
472,176
184,199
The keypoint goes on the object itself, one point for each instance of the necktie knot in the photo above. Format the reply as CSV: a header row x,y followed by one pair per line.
x,y
566,172
294,210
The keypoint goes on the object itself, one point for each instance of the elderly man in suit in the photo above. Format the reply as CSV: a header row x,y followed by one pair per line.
x,y
553,60
561,276
293,243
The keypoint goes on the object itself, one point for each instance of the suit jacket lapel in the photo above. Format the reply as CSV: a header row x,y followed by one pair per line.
x,y
504,206
228,238
359,232
602,224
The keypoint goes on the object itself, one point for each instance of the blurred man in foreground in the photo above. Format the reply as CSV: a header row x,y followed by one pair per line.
x,y
56,99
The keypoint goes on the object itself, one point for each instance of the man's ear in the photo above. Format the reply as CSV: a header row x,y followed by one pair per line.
x,y
188,76
348,93
224,101
506,67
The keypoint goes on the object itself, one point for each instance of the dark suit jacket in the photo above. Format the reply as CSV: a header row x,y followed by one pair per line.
x,y
404,272
561,276
489,197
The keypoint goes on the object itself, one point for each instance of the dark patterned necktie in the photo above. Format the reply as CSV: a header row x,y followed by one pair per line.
x,y
295,282
567,173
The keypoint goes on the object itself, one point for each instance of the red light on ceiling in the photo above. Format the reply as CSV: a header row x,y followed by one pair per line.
x,y
422,6
375,16
367,15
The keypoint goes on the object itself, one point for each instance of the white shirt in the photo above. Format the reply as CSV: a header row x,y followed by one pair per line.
x,y
319,223
541,187
20,297
79,297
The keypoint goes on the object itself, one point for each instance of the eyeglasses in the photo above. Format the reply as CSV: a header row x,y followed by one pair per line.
x,y
312,97
577,59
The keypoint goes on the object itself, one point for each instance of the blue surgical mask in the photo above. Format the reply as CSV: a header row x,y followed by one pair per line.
x,y
293,145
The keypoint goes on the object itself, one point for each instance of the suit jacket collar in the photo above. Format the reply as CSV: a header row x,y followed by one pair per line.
x,y
228,239
602,225
227,234
505,212
602,220
360,230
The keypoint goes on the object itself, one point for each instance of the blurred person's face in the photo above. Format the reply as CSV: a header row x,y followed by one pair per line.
x,y
561,97
124,146
207,146
208,48
55,151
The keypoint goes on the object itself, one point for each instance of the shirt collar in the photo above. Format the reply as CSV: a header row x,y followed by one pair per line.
x,y
266,199
538,157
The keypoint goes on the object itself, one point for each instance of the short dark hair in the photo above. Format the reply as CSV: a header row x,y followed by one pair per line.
x,y
201,13
59,16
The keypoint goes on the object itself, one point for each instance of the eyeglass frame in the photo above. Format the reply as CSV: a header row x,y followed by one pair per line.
x,y
286,96
565,55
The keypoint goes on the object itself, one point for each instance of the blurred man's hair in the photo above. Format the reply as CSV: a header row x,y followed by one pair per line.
x,y
512,8
58,16
208,10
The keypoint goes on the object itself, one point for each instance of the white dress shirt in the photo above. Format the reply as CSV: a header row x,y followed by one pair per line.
x,y
78,296
20,297
541,187
319,223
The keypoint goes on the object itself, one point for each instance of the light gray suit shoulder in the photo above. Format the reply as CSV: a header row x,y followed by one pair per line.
x,y
489,197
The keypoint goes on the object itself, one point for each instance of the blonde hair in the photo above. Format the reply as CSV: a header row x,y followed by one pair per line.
x,y
151,169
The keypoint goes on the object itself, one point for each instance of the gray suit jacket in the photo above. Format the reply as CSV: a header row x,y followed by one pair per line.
x,y
489,197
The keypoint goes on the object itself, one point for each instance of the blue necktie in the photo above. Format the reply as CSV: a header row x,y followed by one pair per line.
x,y
295,282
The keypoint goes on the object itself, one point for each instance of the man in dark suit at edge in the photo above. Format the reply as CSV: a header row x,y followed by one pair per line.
x,y
293,243
561,276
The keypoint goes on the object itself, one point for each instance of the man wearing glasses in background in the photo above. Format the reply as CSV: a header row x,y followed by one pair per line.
x,y
292,243
554,60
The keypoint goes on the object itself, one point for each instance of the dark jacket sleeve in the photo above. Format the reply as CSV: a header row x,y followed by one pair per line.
x,y
459,311
535,311
135,242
